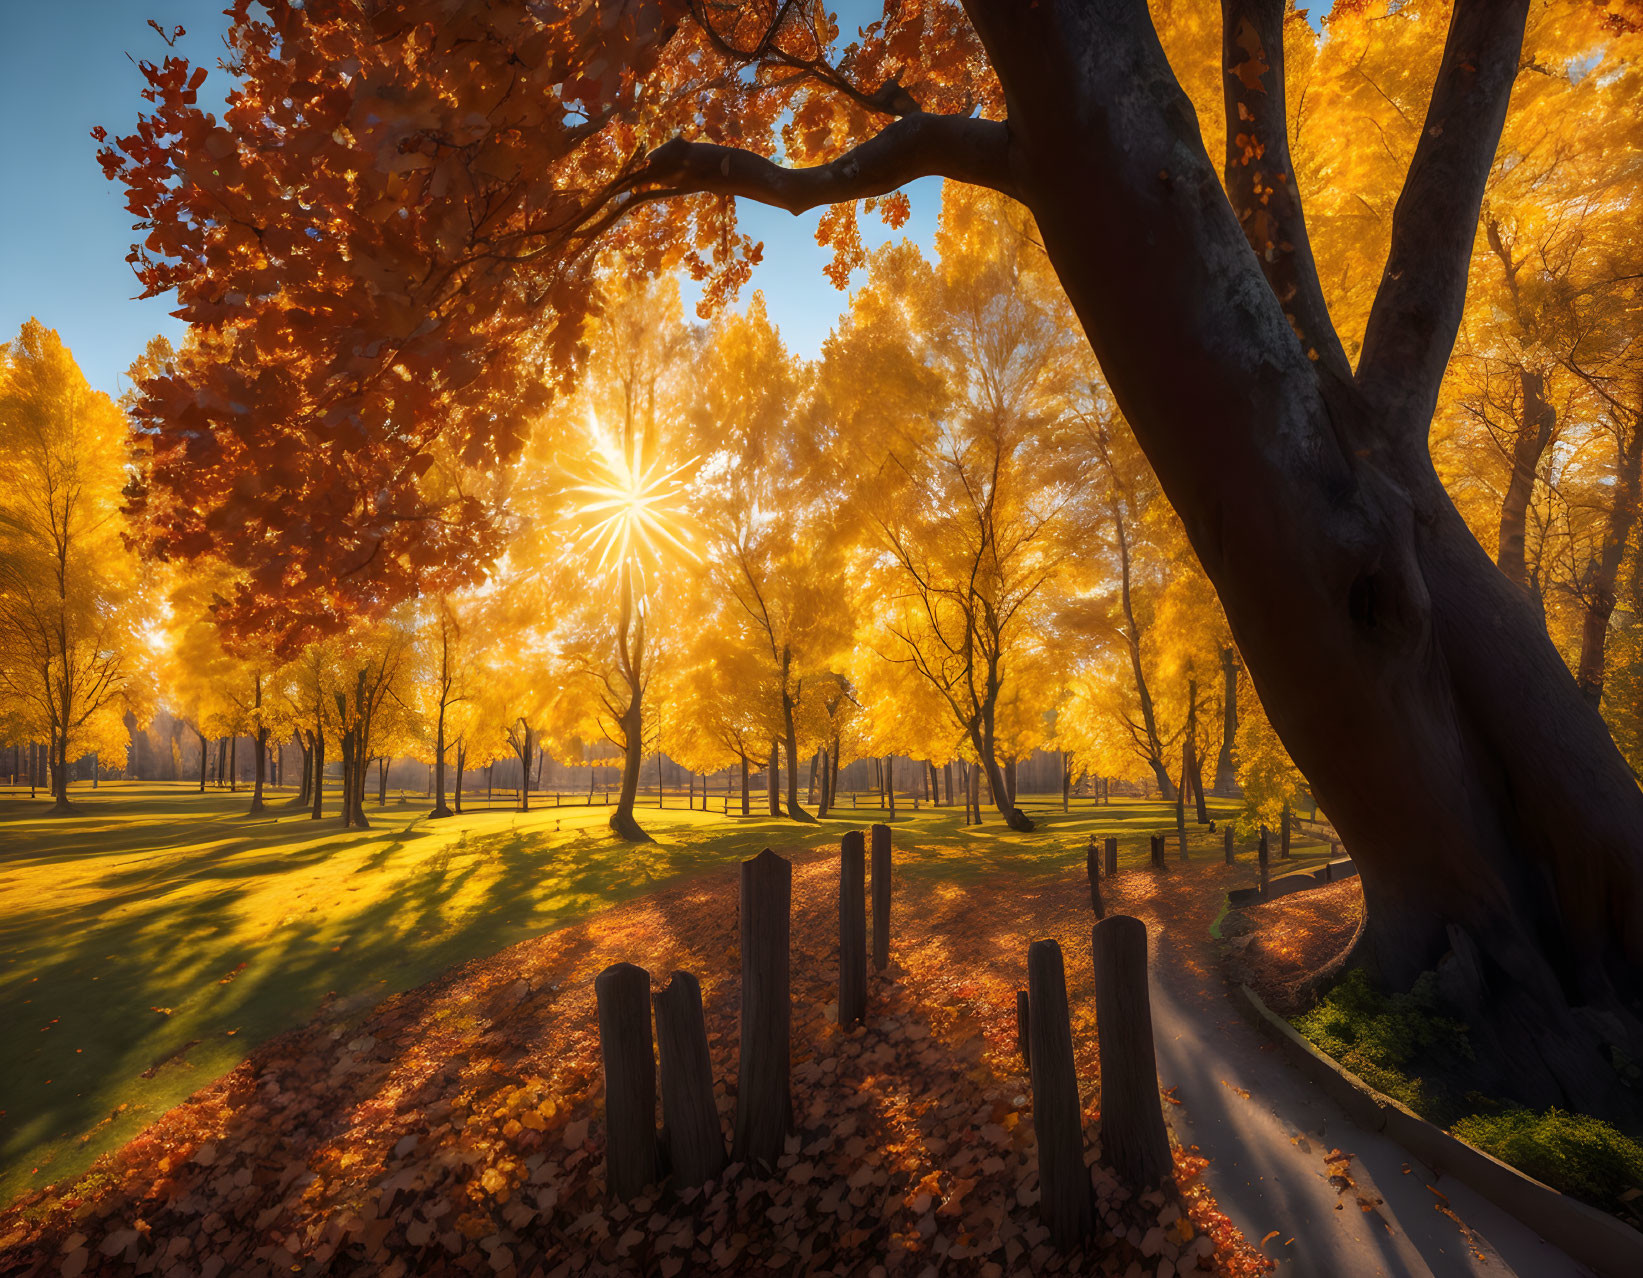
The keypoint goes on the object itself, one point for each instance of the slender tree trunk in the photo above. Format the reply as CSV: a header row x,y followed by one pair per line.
x,y
233,764
262,747
461,761
318,767
1600,587
205,750
622,820
59,774
441,809
347,778
998,788
947,778
1132,639
1226,775
262,760
1193,773
747,798
524,752
1536,425
773,782
794,811
631,650
382,781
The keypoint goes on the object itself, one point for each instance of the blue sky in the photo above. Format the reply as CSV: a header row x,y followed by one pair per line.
x,y
64,231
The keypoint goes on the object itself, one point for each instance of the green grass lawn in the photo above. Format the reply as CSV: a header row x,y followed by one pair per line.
x,y
150,942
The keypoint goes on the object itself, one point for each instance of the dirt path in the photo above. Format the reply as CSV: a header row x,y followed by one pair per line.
x,y
1285,1158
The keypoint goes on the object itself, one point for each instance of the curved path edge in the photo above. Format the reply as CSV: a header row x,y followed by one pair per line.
x,y
1609,1246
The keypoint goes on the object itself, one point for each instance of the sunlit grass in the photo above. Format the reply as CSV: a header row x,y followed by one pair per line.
x,y
147,944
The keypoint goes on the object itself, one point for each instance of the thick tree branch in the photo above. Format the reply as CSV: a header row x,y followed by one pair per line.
x,y
1260,176
1417,310
914,146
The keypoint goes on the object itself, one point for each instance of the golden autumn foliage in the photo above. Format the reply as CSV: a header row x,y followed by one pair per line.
x,y
69,620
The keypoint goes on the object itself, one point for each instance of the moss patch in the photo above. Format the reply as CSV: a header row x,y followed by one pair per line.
x,y
1405,1047
1580,1155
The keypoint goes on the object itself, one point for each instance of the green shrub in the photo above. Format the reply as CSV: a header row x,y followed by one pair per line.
x,y
1580,1156
1391,1041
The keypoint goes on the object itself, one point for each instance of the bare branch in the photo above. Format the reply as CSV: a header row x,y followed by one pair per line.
x,y
913,146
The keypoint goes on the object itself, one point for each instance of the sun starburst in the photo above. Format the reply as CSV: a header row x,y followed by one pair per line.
x,y
632,510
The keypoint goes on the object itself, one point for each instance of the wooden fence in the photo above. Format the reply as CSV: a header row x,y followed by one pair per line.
x,y
690,1149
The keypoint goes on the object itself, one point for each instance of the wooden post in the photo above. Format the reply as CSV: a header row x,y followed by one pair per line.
x,y
852,930
1226,841
1283,835
1132,1116
1263,853
690,1119
1066,1203
1092,868
1157,851
631,1158
764,1103
1023,1020
1112,855
881,897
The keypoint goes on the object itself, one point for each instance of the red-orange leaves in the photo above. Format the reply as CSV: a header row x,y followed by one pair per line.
x,y
385,249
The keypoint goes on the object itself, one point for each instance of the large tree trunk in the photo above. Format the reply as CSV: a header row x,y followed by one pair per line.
x,y
1600,587
1498,833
